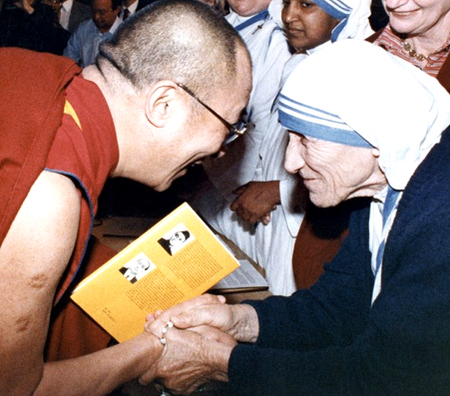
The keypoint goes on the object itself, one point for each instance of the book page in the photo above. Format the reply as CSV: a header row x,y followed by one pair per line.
x,y
246,277
175,260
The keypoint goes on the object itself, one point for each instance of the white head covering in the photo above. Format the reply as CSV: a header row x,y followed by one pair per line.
x,y
356,93
275,9
354,17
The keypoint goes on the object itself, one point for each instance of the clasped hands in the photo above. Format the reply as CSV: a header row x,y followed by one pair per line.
x,y
197,347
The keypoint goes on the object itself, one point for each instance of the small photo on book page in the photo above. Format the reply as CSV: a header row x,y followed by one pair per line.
x,y
176,239
137,268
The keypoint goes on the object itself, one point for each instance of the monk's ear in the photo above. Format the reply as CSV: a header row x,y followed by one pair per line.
x,y
376,152
160,103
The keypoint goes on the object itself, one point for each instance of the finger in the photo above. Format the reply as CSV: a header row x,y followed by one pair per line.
x,y
266,219
165,316
234,205
150,318
215,334
206,315
243,213
204,299
254,218
154,328
240,189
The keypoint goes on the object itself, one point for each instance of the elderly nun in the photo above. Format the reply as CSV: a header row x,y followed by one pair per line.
x,y
364,123
267,200
344,145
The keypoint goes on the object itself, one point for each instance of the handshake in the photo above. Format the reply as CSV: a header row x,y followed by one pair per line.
x,y
196,339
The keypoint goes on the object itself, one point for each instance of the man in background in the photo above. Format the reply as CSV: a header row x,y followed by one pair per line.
x,y
84,42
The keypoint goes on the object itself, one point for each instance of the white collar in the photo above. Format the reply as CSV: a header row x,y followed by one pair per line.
x,y
115,25
67,5
132,8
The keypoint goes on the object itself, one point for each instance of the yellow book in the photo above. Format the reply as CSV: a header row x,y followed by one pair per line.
x,y
177,259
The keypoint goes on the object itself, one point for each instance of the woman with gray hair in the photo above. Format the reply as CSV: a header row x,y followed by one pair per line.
x,y
419,32
365,123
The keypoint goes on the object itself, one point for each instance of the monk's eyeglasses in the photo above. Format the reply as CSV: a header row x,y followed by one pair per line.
x,y
234,130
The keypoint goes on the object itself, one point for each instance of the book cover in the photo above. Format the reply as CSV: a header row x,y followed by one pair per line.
x,y
177,259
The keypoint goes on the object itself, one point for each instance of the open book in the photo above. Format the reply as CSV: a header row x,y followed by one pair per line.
x,y
245,278
177,259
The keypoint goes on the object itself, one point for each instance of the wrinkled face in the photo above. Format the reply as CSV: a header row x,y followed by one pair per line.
x,y
417,17
103,15
248,7
203,133
333,172
306,25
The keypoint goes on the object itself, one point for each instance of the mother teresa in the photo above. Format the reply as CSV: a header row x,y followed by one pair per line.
x,y
361,123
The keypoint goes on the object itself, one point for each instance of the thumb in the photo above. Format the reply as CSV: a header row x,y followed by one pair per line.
x,y
185,320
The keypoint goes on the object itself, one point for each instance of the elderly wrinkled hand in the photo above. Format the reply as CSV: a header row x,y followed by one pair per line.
x,y
202,324
160,328
203,318
204,299
205,313
189,359
198,337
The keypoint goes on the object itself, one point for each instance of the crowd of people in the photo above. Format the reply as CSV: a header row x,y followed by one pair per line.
x,y
264,214
63,27
322,129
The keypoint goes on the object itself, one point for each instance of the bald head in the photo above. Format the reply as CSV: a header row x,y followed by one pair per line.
x,y
184,41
